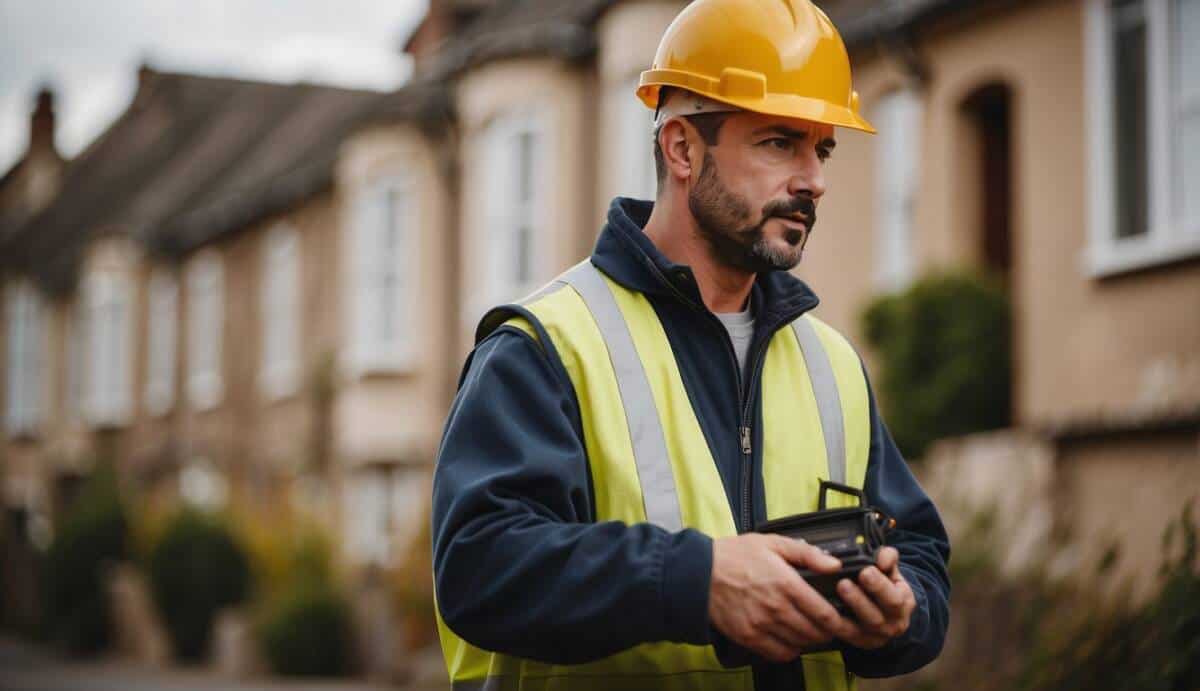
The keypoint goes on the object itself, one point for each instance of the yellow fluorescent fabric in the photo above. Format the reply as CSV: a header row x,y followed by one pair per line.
x,y
793,458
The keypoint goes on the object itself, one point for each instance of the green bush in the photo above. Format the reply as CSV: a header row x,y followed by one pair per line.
x,y
195,569
944,354
306,631
93,534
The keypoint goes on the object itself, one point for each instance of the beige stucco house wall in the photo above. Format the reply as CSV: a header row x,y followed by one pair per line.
x,y
555,97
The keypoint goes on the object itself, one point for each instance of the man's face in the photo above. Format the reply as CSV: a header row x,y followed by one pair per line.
x,y
756,196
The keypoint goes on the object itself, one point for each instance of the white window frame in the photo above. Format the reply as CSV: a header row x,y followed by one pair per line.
x,y
161,346
897,171
279,362
1168,237
205,326
386,498
109,296
634,174
506,212
25,355
371,239
77,356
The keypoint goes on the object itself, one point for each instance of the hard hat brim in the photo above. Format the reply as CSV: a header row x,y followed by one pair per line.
x,y
782,105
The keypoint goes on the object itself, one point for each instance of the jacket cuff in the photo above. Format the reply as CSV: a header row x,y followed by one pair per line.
x,y
686,577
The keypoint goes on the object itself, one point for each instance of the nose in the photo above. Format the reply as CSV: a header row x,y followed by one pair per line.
x,y
808,177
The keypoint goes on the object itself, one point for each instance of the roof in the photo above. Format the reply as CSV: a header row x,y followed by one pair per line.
x,y
196,157
518,28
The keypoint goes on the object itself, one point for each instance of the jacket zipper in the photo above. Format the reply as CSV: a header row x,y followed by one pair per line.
x,y
746,524
747,448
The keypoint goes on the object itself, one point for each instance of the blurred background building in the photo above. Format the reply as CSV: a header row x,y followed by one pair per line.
x,y
261,294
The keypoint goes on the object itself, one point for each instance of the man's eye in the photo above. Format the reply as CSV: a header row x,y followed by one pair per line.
x,y
781,143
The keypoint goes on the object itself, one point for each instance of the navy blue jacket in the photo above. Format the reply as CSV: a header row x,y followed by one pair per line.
x,y
521,565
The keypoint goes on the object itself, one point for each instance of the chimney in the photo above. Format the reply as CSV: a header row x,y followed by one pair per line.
x,y
41,123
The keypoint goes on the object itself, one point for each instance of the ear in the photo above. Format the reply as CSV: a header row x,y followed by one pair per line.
x,y
680,149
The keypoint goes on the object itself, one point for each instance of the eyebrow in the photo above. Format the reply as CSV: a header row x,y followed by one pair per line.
x,y
792,133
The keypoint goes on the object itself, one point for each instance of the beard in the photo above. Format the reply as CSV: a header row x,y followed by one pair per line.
x,y
734,237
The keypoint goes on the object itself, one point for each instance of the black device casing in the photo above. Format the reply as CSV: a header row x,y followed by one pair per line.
x,y
854,535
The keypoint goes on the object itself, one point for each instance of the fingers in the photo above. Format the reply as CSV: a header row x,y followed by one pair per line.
x,y
889,560
804,630
817,609
881,606
800,553
865,610
891,596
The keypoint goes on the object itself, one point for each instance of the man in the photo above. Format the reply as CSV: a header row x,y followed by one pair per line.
x,y
618,435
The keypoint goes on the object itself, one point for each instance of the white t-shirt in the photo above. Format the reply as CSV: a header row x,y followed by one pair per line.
x,y
740,326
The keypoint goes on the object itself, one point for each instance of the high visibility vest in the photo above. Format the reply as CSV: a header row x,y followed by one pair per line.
x,y
650,461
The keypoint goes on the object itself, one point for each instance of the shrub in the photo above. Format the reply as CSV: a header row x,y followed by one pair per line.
x,y
305,628
196,568
93,533
306,631
413,586
944,355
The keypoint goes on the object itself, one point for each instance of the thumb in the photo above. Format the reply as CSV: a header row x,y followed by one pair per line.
x,y
800,553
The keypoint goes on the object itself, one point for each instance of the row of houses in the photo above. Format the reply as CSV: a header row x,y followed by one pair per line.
x,y
258,292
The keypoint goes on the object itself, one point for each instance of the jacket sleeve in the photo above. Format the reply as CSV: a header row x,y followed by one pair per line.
x,y
924,550
520,565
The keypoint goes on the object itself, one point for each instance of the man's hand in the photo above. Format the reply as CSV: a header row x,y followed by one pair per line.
x,y
758,599
882,602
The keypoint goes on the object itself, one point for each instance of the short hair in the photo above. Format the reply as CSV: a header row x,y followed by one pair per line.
x,y
707,124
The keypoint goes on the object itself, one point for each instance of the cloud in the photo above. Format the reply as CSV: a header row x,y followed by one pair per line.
x,y
90,52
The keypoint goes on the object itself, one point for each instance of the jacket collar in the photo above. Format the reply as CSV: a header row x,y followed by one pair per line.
x,y
628,256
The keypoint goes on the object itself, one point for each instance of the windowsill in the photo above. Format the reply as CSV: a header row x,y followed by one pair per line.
x,y
1130,256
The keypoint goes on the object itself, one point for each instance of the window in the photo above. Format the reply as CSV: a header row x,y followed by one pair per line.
x,y
634,170
109,299
26,348
382,286
898,117
206,296
1144,132
386,499
513,201
279,368
77,356
161,348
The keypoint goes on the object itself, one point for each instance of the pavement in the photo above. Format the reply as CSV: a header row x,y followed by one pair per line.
x,y
25,667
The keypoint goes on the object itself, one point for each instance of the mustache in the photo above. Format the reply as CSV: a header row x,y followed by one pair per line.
x,y
785,208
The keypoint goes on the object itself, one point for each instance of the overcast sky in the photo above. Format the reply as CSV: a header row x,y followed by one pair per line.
x,y
89,51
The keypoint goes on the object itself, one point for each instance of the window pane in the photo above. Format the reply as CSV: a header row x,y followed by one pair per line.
x,y
1186,148
524,252
521,268
1129,95
389,268
898,117
525,166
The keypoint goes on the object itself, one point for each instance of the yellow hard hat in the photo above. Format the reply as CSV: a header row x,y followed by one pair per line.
x,y
777,57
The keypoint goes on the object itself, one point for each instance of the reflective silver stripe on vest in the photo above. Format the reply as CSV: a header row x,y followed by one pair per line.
x,y
641,413
829,403
485,684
